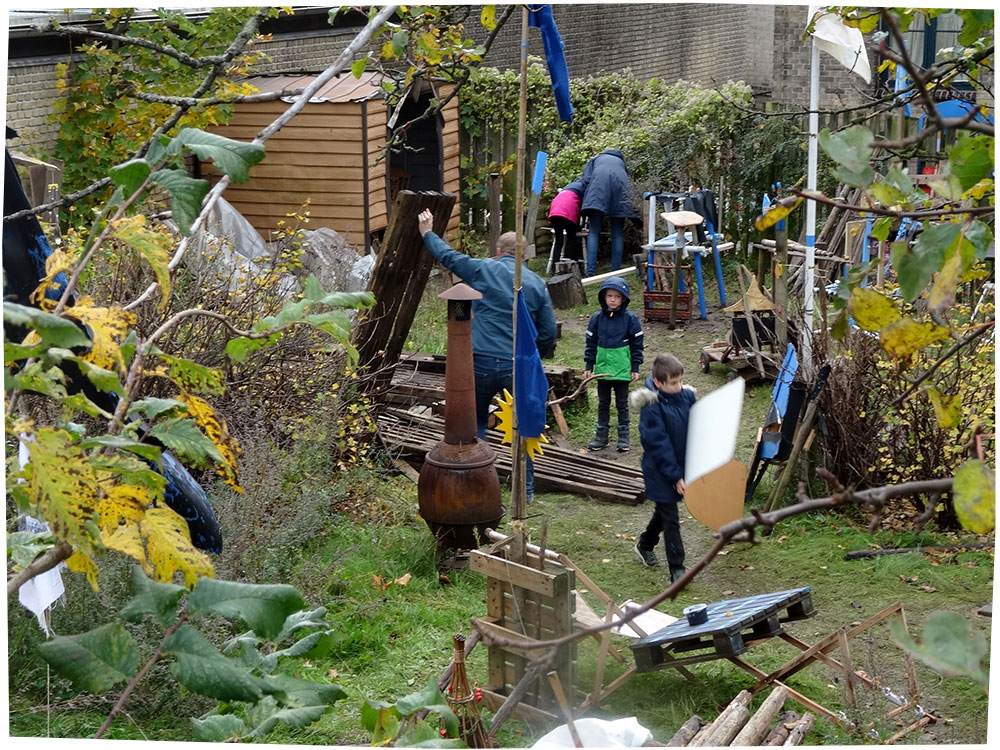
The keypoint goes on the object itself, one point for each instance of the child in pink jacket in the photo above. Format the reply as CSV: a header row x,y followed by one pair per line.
x,y
564,216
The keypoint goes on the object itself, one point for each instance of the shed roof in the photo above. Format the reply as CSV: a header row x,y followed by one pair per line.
x,y
344,88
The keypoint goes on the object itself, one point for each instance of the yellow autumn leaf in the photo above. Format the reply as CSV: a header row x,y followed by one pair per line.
x,y
946,281
152,244
121,504
403,580
218,432
78,562
871,310
948,409
62,484
776,212
905,337
974,493
127,539
169,548
108,327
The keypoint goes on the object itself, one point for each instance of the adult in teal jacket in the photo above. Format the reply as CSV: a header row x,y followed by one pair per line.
x,y
493,316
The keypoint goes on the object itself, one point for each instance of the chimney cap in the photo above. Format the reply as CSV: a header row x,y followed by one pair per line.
x,y
461,291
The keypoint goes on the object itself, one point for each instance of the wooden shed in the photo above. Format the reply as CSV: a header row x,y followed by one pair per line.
x,y
331,154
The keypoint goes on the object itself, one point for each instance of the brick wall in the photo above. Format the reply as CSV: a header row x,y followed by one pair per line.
x,y
838,86
31,89
703,44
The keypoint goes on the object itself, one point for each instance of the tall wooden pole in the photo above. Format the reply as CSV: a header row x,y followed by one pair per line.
x,y
517,475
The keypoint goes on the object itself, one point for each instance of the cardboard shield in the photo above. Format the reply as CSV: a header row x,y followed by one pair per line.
x,y
716,498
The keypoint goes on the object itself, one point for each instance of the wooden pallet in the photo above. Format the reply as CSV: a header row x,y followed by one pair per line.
x,y
556,470
525,605
732,626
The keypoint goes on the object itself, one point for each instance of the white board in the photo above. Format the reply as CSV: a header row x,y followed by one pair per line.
x,y
712,428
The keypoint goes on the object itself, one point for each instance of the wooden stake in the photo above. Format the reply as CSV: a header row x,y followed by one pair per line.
x,y
557,690
781,287
751,321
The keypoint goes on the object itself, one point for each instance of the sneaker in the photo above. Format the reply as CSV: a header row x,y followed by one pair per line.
x,y
676,573
646,556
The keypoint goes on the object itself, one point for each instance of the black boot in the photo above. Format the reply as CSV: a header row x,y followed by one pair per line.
x,y
623,438
600,438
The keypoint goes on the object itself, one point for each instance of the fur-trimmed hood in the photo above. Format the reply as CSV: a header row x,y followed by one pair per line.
x,y
643,397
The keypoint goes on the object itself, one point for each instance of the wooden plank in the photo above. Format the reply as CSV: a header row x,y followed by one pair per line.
x,y
350,134
283,176
541,582
307,118
316,190
277,107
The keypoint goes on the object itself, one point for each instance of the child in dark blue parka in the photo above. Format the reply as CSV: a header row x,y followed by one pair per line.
x,y
665,404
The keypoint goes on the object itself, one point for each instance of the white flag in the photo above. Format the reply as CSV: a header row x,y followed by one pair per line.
x,y
841,41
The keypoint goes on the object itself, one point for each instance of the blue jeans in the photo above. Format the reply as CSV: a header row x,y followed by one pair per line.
x,y
594,238
493,374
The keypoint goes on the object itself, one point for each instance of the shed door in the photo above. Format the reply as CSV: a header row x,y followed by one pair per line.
x,y
420,165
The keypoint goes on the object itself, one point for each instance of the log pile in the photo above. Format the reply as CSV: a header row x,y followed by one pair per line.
x,y
411,436
735,726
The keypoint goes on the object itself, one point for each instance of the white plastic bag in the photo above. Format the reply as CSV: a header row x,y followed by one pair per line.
x,y
597,733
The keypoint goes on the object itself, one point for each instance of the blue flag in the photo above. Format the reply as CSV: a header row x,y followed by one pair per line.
x,y
531,387
540,17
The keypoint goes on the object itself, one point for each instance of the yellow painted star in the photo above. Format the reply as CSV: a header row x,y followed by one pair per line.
x,y
505,423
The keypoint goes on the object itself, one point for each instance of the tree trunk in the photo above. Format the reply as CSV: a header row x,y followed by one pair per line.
x,y
566,291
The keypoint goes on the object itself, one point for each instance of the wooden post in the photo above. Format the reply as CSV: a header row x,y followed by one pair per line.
x,y
557,690
517,476
495,190
751,322
397,282
781,285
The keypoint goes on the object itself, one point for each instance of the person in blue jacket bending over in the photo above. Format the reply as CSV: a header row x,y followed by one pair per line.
x,y
607,192
493,317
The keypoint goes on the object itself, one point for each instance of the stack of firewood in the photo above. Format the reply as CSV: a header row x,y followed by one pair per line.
x,y
736,727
